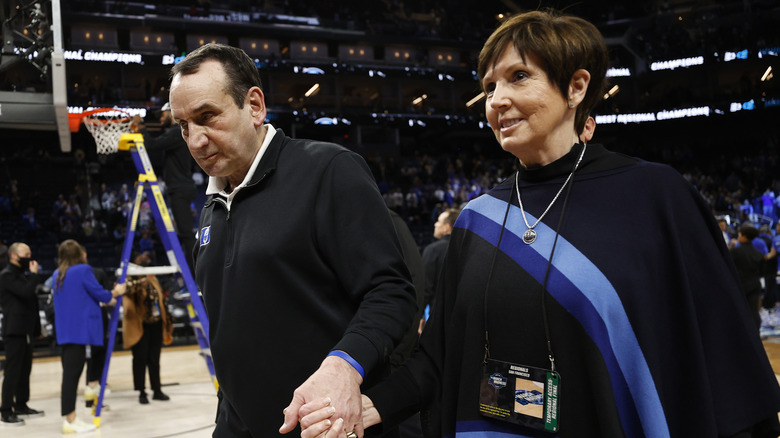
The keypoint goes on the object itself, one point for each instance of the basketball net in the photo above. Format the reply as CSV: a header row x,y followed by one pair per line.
x,y
107,127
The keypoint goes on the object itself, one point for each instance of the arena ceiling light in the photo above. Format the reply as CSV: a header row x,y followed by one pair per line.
x,y
475,99
419,99
767,74
313,90
612,91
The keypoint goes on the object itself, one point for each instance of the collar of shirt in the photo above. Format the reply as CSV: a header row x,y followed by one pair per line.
x,y
217,184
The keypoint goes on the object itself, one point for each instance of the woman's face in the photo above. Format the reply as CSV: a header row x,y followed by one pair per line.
x,y
529,116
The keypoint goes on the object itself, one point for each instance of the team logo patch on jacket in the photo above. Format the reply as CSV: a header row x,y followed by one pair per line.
x,y
205,235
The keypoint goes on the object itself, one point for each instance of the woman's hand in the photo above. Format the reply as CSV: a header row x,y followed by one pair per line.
x,y
370,414
318,419
119,289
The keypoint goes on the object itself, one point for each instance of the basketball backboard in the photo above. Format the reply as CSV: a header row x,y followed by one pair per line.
x,y
32,69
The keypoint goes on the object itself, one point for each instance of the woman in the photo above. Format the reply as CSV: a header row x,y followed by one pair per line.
x,y
590,294
146,326
77,319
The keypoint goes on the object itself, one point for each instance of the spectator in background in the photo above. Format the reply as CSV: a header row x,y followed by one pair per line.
x,y
776,245
21,325
78,322
3,255
146,327
758,242
107,198
177,174
768,268
749,261
411,427
724,230
5,205
768,203
30,223
433,254
97,358
146,245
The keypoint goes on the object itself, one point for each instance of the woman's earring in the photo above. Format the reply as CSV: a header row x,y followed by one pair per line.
x,y
571,104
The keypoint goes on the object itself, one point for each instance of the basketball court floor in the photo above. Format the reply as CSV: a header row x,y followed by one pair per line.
x,y
189,413
185,378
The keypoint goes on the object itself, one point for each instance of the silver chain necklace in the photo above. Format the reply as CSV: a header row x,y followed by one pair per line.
x,y
530,234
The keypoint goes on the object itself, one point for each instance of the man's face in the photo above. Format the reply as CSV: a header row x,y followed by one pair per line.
x,y
22,252
441,227
221,137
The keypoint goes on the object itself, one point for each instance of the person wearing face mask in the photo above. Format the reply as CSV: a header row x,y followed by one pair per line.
x,y
21,324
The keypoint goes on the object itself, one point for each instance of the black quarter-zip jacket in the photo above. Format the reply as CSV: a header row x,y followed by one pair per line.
x,y
305,261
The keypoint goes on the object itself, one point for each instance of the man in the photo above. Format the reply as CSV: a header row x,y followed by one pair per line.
x,y
776,246
177,174
299,265
768,268
21,324
724,230
411,428
3,255
433,254
749,261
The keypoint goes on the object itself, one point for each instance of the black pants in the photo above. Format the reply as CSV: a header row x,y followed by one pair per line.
x,y
95,362
18,365
770,294
97,356
182,214
73,356
753,299
146,354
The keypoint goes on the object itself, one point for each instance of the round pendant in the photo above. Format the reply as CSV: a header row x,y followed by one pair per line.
x,y
529,236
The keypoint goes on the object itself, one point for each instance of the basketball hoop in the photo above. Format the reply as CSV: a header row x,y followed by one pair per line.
x,y
105,124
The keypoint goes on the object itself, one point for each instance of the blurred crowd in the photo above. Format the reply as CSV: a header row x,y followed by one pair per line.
x,y
741,183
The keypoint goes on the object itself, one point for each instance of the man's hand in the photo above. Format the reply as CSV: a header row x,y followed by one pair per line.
x,y
337,381
34,266
137,123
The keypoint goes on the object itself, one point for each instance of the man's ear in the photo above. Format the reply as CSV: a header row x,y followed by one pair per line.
x,y
256,101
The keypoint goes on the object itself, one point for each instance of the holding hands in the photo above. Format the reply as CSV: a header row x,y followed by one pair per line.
x,y
317,419
119,289
329,401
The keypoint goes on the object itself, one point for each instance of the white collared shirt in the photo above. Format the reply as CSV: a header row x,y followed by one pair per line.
x,y
218,184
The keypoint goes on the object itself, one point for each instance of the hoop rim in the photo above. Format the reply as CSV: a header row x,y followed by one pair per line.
x,y
75,119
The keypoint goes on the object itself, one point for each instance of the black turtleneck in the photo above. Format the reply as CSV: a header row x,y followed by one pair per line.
x,y
597,158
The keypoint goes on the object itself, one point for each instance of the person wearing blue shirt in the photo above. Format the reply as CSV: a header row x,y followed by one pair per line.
x,y
776,243
760,245
78,322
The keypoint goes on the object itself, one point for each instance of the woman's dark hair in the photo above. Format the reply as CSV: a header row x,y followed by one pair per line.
x,y
563,44
240,70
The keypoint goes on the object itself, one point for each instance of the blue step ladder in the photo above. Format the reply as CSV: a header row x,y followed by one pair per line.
x,y
148,184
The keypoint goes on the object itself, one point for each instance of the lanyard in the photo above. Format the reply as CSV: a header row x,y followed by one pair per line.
x,y
550,353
